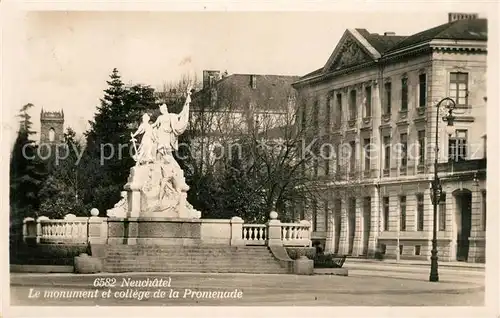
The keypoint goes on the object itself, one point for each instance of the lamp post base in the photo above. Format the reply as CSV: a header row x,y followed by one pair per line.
x,y
434,276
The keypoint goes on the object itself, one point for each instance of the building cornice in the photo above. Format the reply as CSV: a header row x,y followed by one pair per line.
x,y
438,45
325,76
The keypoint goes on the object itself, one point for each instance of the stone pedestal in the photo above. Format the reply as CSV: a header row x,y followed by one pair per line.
x,y
303,266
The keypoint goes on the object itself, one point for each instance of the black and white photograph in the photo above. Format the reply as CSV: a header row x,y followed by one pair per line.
x,y
245,158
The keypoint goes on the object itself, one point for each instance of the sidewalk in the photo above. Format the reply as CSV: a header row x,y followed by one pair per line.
x,y
458,265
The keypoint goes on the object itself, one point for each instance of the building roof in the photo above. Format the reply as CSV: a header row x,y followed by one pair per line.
x,y
271,92
382,43
465,30
475,30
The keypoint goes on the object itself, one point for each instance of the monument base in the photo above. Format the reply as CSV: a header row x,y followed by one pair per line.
x,y
155,231
155,190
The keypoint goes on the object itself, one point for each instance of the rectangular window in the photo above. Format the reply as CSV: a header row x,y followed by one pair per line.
x,y
328,113
388,98
400,249
368,101
327,160
367,206
459,88
420,212
352,158
457,146
316,117
315,162
442,213
304,118
338,209
385,203
417,250
353,109
327,216
403,140
338,156
383,249
422,90
367,153
315,216
387,152
484,210
404,94
339,110
421,147
402,210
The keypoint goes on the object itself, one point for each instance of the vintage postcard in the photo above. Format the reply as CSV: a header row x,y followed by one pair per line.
x,y
219,158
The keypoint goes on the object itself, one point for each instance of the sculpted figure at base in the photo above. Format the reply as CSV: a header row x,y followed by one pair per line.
x,y
157,181
121,207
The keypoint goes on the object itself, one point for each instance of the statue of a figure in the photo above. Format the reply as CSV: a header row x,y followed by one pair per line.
x,y
170,126
147,149
157,181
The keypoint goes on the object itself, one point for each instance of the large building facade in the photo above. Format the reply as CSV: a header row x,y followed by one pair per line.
x,y
378,95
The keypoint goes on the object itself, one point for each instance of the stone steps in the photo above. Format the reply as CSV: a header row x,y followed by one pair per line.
x,y
225,259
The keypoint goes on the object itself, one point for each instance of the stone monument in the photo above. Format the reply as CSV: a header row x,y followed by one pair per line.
x,y
156,186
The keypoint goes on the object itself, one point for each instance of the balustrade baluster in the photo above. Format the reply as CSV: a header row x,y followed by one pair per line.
x,y
68,229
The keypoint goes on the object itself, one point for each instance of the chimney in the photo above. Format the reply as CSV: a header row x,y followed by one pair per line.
x,y
253,81
455,16
210,77
389,33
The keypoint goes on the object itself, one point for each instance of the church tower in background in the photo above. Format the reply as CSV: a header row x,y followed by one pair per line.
x,y
51,127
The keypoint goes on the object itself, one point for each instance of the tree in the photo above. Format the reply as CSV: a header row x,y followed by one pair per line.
x,y
27,173
59,194
107,157
249,157
279,163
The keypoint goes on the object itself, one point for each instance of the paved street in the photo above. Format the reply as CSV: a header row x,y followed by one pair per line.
x,y
367,286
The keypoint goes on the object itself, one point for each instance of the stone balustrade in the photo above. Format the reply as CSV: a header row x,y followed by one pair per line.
x,y
254,234
293,234
104,230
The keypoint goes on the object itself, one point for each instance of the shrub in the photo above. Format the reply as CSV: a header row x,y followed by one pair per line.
x,y
46,254
379,256
296,252
328,261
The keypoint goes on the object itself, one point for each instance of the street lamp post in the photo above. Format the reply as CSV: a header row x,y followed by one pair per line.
x,y
436,189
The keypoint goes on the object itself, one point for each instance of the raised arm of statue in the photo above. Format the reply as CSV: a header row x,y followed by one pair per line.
x,y
139,131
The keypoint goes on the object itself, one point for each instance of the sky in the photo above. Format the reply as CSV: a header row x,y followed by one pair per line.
x,y
66,57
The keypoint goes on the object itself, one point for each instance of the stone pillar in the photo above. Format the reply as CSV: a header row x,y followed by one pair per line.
x,y
307,234
274,230
39,228
477,235
330,234
358,228
428,225
133,188
374,222
98,228
236,231
29,228
344,231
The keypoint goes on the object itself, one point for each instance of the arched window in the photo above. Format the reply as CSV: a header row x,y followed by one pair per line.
x,y
52,134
